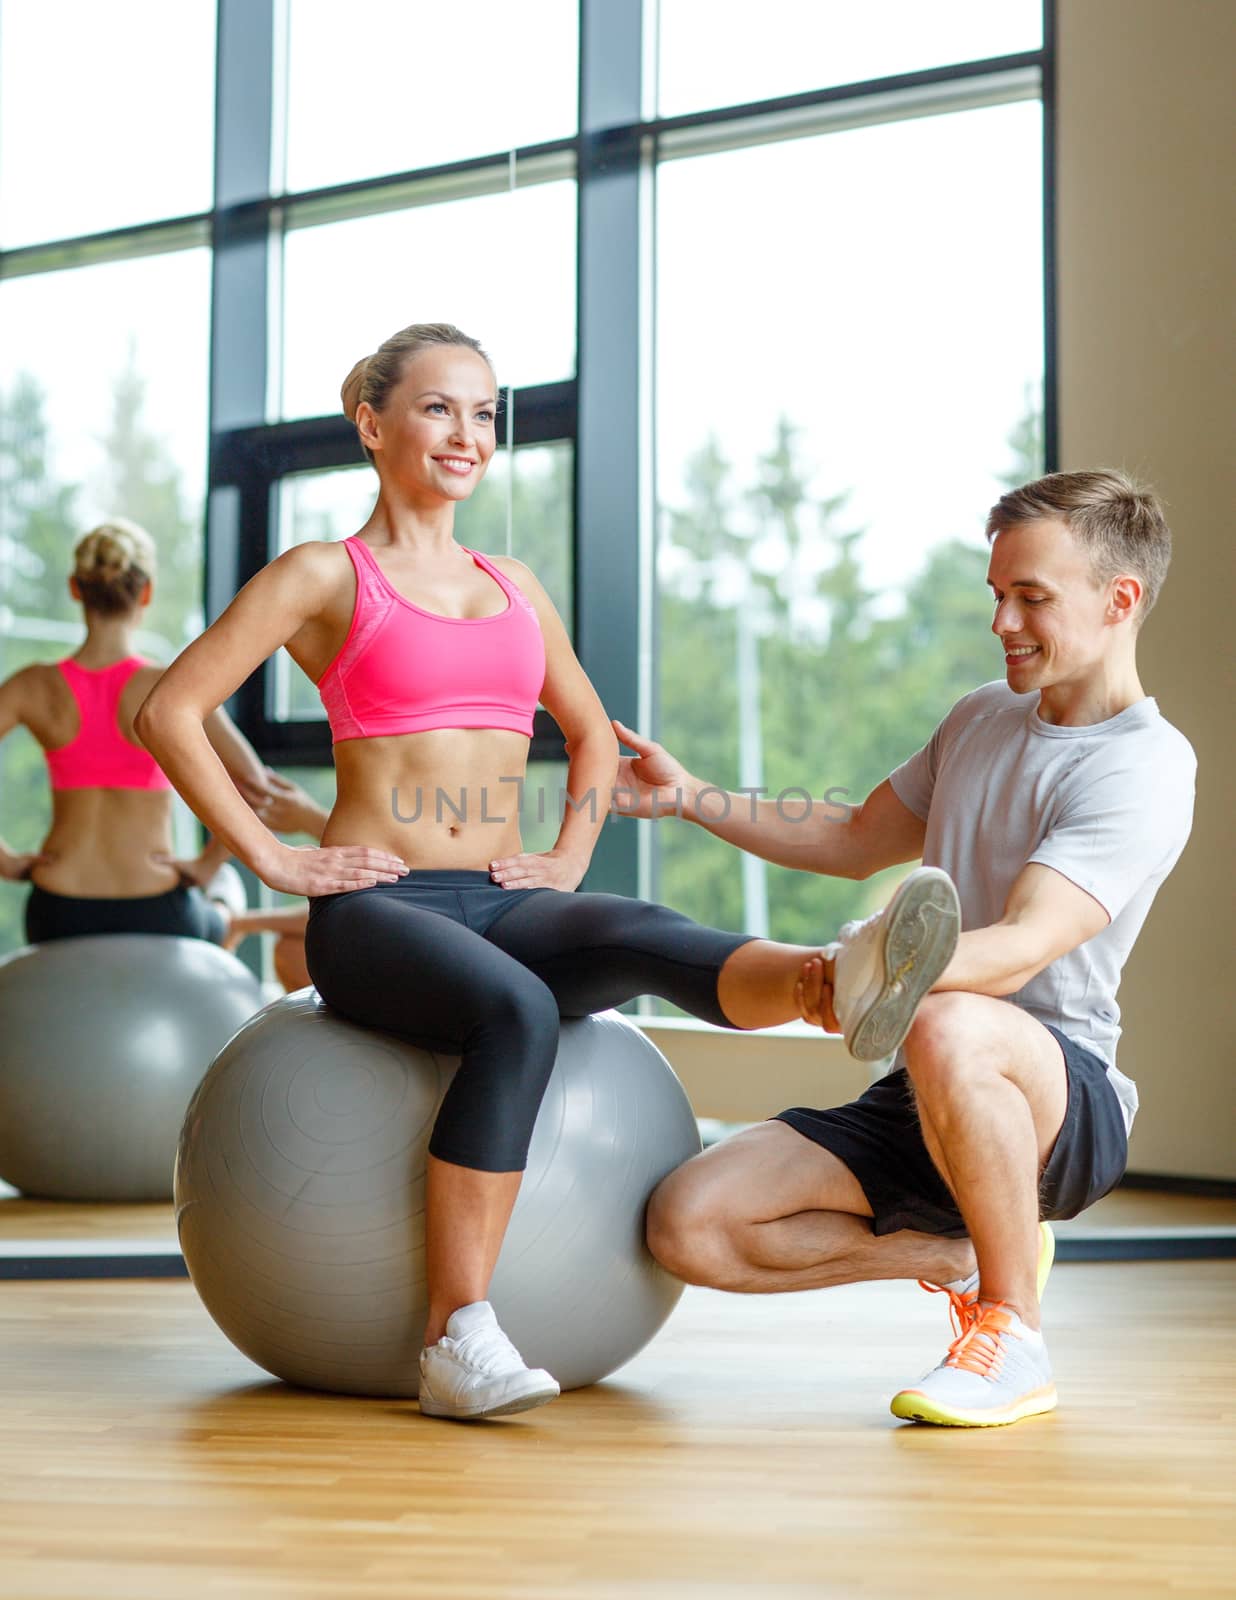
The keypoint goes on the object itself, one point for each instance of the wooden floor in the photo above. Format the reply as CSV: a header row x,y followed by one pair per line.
x,y
748,1452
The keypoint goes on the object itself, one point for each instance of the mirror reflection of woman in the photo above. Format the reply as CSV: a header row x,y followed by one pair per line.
x,y
107,863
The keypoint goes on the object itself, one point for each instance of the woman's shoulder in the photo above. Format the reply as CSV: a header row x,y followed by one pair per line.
x,y
32,683
527,586
316,566
517,571
34,672
324,556
508,564
32,697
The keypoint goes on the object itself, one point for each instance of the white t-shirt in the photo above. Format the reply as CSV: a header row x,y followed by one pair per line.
x,y
1108,806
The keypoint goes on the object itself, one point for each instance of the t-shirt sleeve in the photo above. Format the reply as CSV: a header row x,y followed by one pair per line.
x,y
914,780
1118,828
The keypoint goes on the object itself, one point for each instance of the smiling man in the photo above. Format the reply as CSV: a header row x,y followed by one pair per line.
x,y
1057,799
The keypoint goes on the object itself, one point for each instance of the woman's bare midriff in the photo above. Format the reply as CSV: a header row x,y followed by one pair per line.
x,y
442,799
103,843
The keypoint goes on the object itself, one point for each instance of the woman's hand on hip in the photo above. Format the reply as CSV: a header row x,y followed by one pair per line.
x,y
332,870
17,865
192,871
552,869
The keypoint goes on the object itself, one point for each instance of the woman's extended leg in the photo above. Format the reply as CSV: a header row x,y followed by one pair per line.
x,y
755,987
599,950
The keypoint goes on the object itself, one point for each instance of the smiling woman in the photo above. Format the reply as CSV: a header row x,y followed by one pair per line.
x,y
437,924
372,380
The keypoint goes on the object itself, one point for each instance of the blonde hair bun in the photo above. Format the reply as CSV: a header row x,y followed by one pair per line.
x,y
112,564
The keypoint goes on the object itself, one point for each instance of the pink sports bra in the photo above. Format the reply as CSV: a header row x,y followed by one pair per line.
x,y
405,670
100,757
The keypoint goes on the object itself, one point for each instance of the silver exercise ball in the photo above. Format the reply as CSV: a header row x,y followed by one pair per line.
x,y
300,1197
102,1042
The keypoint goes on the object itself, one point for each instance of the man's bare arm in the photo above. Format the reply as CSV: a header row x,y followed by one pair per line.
x,y
1044,918
820,835
836,840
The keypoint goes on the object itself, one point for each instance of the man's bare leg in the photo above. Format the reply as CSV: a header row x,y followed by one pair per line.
x,y
992,1091
769,1211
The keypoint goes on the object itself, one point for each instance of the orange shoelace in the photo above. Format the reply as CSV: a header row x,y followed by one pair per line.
x,y
962,1308
979,1347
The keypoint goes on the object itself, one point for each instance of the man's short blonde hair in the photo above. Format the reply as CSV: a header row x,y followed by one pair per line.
x,y
1118,521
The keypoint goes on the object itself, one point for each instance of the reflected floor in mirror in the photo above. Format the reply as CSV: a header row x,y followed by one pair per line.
x,y
59,1221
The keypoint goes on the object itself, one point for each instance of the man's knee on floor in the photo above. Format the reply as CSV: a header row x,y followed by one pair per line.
x,y
689,1229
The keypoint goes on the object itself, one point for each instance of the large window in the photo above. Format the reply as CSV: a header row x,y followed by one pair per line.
x,y
785,47
395,86
459,261
106,114
845,382
765,292
104,413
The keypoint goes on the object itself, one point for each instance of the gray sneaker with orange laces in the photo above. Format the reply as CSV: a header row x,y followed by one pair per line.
x,y
996,1372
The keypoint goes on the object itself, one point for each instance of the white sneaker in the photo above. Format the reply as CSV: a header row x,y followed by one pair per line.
x,y
475,1371
996,1371
883,967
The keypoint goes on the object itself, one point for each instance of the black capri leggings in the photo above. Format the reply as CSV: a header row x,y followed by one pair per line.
x,y
453,962
183,912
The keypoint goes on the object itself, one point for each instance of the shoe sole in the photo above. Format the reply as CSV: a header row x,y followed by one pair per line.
x,y
924,921
507,1408
913,1406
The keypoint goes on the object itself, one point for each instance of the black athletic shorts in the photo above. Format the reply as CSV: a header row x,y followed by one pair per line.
x,y
183,912
879,1138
